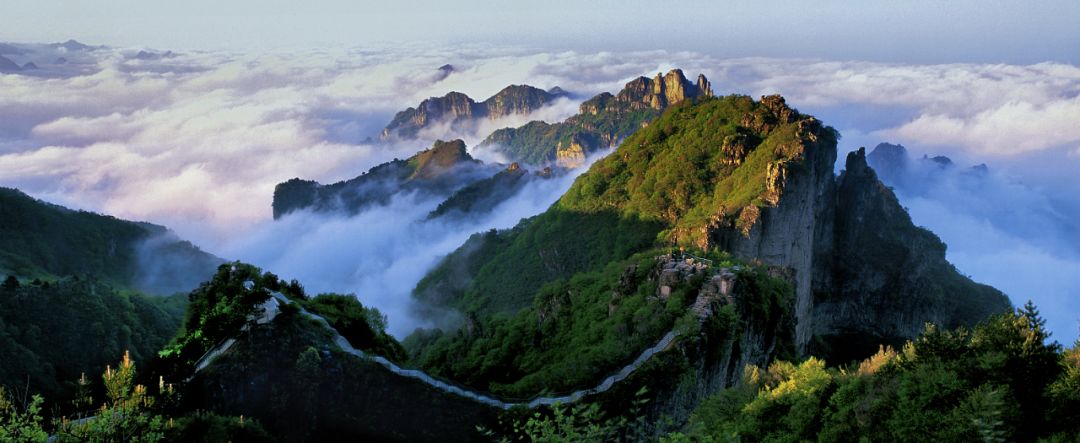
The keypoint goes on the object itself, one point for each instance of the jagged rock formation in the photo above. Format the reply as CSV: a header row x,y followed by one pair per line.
x,y
440,170
889,277
458,110
602,122
767,193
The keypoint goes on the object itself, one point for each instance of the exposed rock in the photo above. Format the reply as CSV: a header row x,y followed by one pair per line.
x,y
444,71
441,158
428,171
459,110
572,155
602,122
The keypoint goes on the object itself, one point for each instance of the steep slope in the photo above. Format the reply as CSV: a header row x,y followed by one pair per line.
x,y
439,171
484,195
459,111
52,332
751,178
38,239
886,272
603,121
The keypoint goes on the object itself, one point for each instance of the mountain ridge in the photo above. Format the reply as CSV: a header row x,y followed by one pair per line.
x,y
459,109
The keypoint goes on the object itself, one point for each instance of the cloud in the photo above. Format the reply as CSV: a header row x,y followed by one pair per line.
x,y
198,141
381,253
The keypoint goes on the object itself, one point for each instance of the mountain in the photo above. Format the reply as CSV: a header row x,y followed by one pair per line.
x,y
8,49
51,332
7,65
751,178
482,196
73,45
591,301
602,122
458,110
439,170
42,240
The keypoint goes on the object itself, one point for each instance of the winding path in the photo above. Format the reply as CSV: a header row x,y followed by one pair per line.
x,y
270,310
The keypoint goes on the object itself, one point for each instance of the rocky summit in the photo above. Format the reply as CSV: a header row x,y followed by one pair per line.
x,y
602,122
459,111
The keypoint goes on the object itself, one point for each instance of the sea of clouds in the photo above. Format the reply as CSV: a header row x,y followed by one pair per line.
x,y
198,140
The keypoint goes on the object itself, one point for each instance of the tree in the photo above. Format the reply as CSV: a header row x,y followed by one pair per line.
x,y
11,283
21,424
127,416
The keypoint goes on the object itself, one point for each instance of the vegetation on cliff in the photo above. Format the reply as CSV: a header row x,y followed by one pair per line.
x,y
696,161
1002,380
603,121
439,170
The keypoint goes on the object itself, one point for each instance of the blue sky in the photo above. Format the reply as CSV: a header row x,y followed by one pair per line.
x,y
922,31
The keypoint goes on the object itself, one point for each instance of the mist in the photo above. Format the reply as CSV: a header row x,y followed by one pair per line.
x,y
381,253
999,231
197,140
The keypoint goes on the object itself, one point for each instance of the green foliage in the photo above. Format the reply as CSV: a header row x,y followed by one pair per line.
x,y
41,240
217,310
556,244
126,417
583,422
576,331
1000,381
364,327
21,423
535,143
51,332
207,427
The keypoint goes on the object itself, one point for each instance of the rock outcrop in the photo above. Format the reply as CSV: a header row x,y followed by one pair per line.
x,y
601,123
864,273
438,171
459,111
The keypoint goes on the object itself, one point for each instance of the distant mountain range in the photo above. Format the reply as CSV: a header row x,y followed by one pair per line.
x,y
458,110
602,122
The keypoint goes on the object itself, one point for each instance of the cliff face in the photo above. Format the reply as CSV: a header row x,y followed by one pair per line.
x,y
864,273
890,277
601,123
794,230
459,110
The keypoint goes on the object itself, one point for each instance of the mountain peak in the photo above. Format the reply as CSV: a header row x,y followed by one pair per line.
x,y
460,110
440,158
602,121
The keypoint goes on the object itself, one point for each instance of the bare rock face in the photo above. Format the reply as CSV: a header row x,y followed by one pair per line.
x,y
572,155
661,91
458,110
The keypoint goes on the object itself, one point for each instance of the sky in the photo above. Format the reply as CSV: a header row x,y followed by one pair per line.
x,y
924,31
263,91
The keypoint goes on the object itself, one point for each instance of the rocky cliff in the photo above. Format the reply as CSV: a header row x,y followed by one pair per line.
x,y
889,277
437,171
864,273
459,111
602,121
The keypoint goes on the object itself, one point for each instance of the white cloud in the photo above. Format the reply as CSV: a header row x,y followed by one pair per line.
x,y
198,142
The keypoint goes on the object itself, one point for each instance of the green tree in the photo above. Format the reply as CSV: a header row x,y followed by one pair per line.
x,y
21,424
